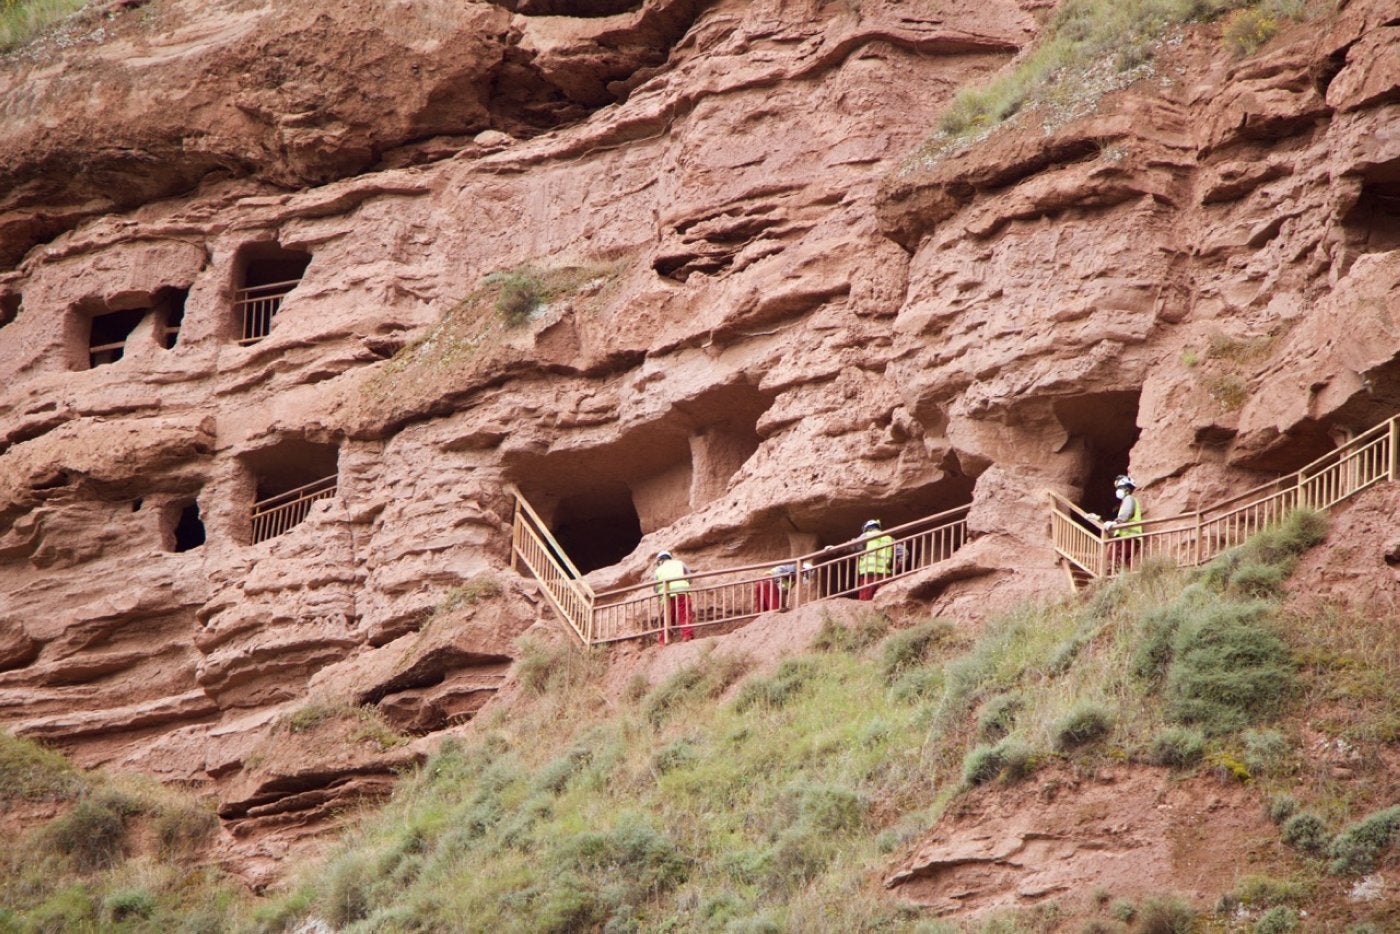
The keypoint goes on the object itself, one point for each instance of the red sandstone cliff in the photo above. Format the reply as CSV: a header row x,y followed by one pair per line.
x,y
782,322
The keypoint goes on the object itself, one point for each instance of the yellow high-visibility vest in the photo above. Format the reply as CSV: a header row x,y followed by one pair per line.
x,y
1123,531
878,557
670,577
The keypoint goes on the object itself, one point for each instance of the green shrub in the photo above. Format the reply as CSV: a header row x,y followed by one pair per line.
x,y
1258,580
1266,752
92,833
551,667
1355,849
1123,910
1277,920
570,904
1008,759
998,716
1259,891
1166,914
1245,31
865,632
1086,723
1306,832
910,648
633,851
1281,807
678,755
830,808
792,676
347,889
1155,632
22,20
916,684
182,826
1177,747
126,904
30,772
70,908
699,683
554,775
520,294
1227,669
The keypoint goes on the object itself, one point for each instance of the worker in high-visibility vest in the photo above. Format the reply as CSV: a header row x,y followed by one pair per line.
x,y
772,592
876,562
673,584
1126,526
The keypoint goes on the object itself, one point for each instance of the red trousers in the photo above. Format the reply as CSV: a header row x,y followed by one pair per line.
x,y
680,611
869,583
767,595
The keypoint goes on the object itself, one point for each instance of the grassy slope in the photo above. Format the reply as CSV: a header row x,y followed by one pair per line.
x,y
721,800
21,20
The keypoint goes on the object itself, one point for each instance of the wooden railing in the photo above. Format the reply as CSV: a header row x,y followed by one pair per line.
x,y
1194,538
259,303
723,596
533,547
278,514
99,354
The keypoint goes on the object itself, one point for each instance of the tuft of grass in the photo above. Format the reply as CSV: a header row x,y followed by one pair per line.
x,y
1280,919
29,772
524,290
1166,914
1246,31
791,678
128,905
695,685
998,715
471,593
1258,891
1281,807
93,833
1177,747
1087,722
22,20
834,637
1009,760
1267,752
1357,847
911,648
370,723
552,667
1226,390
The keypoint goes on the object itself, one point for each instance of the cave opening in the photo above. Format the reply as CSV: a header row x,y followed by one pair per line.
x,y
108,334
264,274
288,477
598,529
171,303
187,527
9,307
1373,223
1104,426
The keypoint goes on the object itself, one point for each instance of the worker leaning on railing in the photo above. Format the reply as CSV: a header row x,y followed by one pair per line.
x,y
673,584
1126,527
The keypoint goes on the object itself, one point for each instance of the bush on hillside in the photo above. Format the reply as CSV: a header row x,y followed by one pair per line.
x,y
865,632
1228,670
1305,832
1008,759
700,683
998,716
30,772
1086,723
93,833
1357,847
792,676
1177,747
1166,914
910,648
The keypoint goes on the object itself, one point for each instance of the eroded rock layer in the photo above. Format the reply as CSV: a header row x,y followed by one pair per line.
x,y
764,322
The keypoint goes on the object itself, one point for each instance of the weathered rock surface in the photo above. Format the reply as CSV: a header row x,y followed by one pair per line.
x,y
778,326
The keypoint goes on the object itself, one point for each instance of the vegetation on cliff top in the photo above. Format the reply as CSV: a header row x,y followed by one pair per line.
x,y
21,20
724,799
1091,47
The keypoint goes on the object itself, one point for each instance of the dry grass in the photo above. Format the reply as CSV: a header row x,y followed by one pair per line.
x,y
22,20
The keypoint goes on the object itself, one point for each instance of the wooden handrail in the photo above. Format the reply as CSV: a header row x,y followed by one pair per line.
x,y
522,503
247,291
1326,481
263,505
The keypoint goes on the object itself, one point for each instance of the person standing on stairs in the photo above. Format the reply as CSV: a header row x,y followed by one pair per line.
x,y
1126,526
876,562
673,584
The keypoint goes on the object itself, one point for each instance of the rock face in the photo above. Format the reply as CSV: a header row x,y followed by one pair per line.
x,y
762,322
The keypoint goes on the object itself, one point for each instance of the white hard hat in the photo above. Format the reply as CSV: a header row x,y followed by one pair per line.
x,y
872,524
663,556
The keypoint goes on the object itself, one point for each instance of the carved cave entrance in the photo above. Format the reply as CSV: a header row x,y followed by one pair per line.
x,y
1103,426
9,307
288,478
110,326
1373,223
183,527
264,274
599,502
